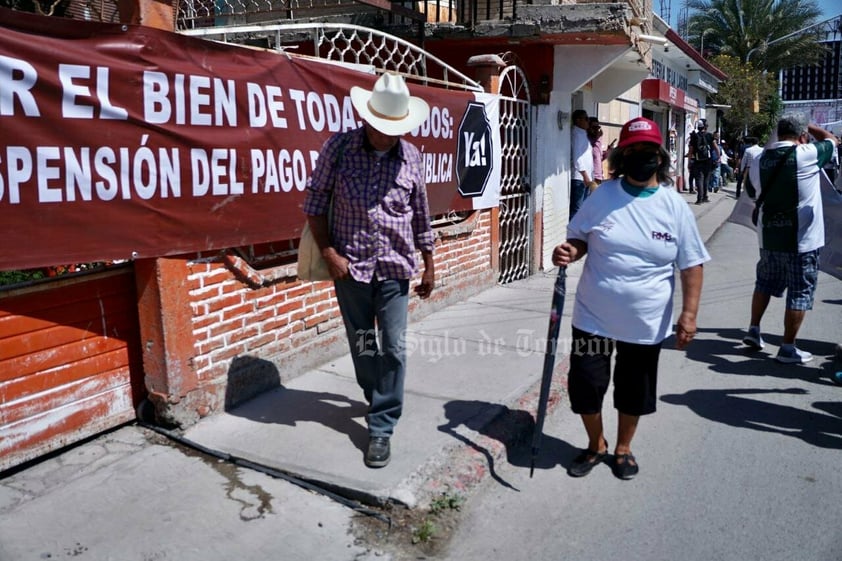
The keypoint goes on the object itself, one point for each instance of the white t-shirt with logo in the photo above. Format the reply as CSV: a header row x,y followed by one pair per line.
x,y
635,245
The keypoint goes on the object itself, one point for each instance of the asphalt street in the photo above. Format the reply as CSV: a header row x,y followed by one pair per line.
x,y
740,462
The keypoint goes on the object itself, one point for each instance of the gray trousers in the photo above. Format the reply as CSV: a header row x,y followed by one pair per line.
x,y
375,316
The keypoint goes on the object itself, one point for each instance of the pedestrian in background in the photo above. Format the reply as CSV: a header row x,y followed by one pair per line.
x,y
595,134
634,232
374,181
790,229
726,172
703,156
738,162
716,179
581,179
751,152
691,167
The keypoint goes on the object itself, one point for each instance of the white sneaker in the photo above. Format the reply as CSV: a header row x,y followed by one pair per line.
x,y
754,339
793,356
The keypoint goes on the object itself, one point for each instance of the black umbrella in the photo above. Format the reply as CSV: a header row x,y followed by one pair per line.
x,y
557,307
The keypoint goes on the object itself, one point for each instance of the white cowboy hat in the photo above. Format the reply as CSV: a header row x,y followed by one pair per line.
x,y
388,107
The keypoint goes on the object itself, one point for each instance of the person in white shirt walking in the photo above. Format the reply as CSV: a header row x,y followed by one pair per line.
x,y
581,182
790,229
752,151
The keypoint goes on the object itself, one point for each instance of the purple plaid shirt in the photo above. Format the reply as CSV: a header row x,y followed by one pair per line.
x,y
380,211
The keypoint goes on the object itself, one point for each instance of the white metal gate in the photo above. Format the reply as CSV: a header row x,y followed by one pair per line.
x,y
516,190
347,43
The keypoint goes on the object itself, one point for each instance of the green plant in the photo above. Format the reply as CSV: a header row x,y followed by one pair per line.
x,y
424,533
446,501
15,277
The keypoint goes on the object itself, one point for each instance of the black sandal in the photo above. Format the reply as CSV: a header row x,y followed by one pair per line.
x,y
625,469
586,461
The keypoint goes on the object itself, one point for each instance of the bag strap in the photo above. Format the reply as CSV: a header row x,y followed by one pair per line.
x,y
763,192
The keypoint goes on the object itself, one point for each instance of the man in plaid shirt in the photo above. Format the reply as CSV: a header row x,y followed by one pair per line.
x,y
374,181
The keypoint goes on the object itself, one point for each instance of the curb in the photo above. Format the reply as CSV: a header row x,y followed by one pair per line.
x,y
462,467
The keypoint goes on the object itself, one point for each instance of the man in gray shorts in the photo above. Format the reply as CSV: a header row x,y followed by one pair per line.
x,y
790,229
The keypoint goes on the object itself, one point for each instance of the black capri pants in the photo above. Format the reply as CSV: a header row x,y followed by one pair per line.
x,y
635,374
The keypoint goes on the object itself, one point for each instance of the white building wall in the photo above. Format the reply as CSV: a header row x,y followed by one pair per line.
x,y
551,163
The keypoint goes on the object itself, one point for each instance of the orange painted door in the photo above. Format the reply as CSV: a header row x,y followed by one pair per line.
x,y
70,362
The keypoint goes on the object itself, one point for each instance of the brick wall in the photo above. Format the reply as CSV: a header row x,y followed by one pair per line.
x,y
255,329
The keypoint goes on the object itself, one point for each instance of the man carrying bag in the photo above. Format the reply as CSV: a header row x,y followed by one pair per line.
x,y
790,226
374,180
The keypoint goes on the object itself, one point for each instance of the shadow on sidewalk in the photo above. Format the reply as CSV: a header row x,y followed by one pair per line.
x,y
499,425
284,406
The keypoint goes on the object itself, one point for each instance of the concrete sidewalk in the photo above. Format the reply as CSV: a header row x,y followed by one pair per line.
x,y
473,378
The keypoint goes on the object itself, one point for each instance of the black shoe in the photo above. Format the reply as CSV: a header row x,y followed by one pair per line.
x,y
586,461
378,453
625,469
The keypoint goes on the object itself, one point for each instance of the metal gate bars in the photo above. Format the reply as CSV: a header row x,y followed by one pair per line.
x,y
515,190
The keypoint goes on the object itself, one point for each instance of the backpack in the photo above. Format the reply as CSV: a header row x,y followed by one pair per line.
x,y
702,147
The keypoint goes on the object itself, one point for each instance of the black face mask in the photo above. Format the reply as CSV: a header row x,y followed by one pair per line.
x,y
640,166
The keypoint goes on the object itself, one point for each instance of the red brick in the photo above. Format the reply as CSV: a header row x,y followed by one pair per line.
x,y
299,291
246,309
226,327
228,352
241,334
205,293
216,276
315,319
224,302
260,342
205,320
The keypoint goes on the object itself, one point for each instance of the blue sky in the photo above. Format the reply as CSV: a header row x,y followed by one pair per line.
x,y
830,8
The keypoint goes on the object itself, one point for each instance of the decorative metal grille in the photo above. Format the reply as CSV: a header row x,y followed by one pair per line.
x,y
515,188
88,10
347,43
207,13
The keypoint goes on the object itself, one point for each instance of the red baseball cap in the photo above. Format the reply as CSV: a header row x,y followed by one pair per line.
x,y
640,130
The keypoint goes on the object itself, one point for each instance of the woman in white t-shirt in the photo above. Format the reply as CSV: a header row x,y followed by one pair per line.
x,y
635,234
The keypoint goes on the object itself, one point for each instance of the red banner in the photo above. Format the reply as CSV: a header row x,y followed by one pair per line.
x,y
124,141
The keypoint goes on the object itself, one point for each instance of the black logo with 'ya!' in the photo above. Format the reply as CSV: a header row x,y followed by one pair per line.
x,y
474,151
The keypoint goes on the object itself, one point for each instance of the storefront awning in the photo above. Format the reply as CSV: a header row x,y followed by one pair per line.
x,y
659,90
